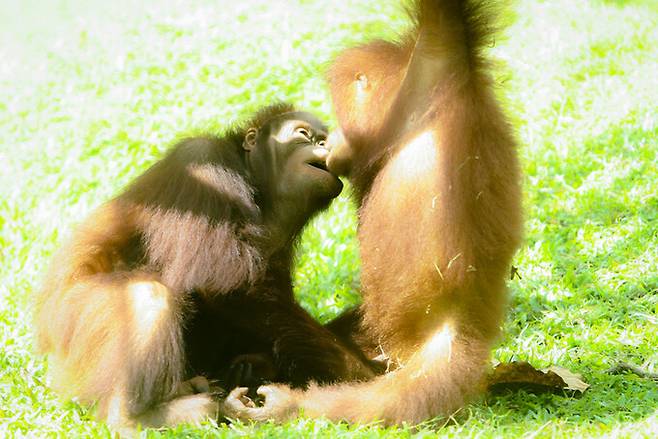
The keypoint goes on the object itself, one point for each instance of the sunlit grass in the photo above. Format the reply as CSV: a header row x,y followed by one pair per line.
x,y
93,92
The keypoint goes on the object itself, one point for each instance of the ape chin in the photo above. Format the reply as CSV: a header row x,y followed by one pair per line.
x,y
188,272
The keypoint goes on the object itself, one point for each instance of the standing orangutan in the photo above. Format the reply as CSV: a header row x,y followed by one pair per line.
x,y
188,272
433,164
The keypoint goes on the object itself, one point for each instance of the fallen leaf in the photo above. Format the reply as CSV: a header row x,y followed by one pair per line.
x,y
573,381
520,375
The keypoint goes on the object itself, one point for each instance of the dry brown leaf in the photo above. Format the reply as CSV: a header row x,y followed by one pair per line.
x,y
573,381
519,375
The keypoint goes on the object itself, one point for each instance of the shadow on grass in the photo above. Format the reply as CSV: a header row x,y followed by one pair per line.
x,y
598,246
604,404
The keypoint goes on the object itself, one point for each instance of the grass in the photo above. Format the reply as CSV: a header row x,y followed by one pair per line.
x,y
93,92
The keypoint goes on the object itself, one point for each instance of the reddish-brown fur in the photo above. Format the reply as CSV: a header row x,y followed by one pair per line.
x,y
433,164
187,269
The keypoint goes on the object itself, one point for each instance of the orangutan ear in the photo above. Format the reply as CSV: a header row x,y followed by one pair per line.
x,y
250,138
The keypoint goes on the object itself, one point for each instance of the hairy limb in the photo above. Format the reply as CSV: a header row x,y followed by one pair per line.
x,y
304,350
446,370
250,370
349,329
190,409
115,339
193,386
278,342
281,403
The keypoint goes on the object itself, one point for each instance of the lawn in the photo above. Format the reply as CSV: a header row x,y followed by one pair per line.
x,y
93,92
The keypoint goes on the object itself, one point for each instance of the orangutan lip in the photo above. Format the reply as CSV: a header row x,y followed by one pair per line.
x,y
319,165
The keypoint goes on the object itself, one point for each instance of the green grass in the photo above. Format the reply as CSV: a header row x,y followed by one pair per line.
x,y
93,92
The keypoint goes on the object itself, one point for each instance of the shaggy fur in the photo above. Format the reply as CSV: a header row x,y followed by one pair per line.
x,y
185,271
433,164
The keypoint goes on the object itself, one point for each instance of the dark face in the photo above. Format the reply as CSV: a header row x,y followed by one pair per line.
x,y
288,158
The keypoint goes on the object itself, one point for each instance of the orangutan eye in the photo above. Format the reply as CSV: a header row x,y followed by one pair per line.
x,y
304,132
